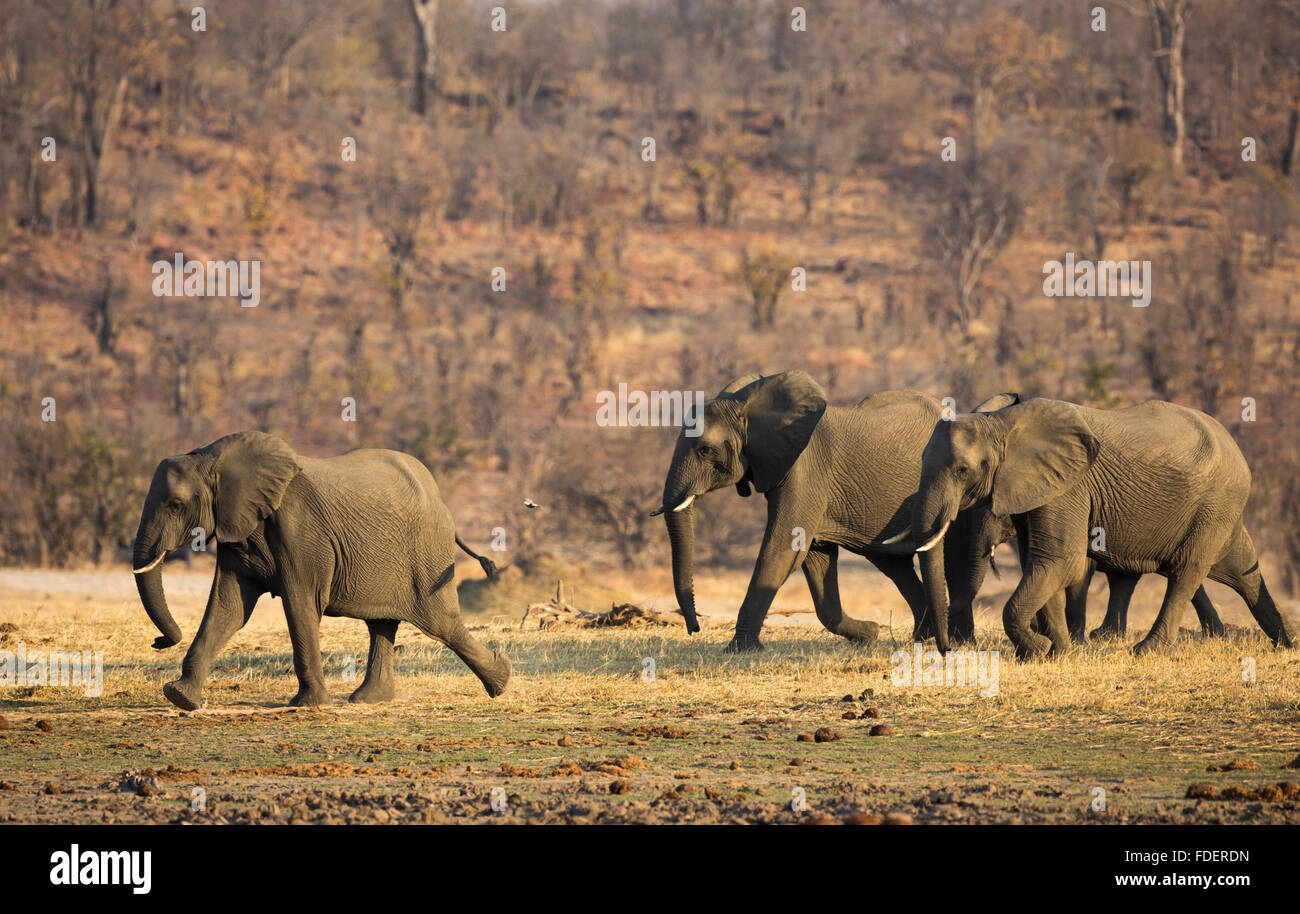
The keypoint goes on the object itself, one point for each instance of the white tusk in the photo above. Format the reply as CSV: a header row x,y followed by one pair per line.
x,y
934,540
896,539
151,566
684,505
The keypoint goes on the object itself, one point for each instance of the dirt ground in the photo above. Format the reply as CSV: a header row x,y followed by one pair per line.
x,y
643,725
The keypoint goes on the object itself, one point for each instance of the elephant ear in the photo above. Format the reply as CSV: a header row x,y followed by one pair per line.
x,y
251,474
741,382
1048,450
781,412
997,402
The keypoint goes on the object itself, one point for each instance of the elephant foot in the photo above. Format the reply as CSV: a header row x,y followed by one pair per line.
x,y
309,698
1105,633
1149,644
924,631
858,631
373,690
743,644
184,695
499,678
1213,630
1032,647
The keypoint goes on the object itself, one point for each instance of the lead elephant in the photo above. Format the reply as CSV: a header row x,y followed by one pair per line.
x,y
1165,485
834,477
365,535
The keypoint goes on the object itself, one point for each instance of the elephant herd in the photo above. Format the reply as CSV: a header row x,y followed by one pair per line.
x,y
1154,488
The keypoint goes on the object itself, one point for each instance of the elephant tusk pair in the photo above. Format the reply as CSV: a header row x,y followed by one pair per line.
x,y
934,540
682,507
152,565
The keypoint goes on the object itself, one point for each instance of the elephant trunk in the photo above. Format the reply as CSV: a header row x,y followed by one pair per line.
x,y
147,563
930,521
681,535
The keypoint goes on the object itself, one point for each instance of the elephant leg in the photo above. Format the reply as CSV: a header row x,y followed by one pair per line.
x,y
379,683
302,611
820,569
899,569
1121,592
1038,585
439,618
1076,606
1211,624
1238,567
230,603
777,560
1054,622
1182,584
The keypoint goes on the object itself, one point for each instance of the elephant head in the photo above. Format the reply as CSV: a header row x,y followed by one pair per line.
x,y
226,488
750,434
1012,459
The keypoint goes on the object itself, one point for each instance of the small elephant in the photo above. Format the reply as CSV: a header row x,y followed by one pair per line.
x,y
833,477
1165,485
365,535
985,532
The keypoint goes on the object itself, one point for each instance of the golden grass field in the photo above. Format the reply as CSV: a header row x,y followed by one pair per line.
x,y
580,736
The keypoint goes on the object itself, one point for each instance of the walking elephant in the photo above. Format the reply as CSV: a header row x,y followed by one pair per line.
x,y
984,532
365,535
1154,488
834,477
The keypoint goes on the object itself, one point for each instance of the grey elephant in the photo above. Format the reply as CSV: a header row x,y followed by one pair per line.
x,y
365,535
833,477
1165,485
984,532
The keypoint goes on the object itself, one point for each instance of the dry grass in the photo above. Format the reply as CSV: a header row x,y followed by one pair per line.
x,y
717,732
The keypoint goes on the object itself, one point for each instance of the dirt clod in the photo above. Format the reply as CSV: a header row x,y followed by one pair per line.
x,y
1202,792
882,730
45,726
863,818
619,787
1236,764
826,735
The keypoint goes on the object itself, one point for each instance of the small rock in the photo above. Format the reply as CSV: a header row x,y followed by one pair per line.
x,y
804,738
1202,792
871,712
45,726
826,735
619,787
882,730
848,715
863,818
848,698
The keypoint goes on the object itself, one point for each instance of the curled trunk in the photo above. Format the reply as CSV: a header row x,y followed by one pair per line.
x,y
150,586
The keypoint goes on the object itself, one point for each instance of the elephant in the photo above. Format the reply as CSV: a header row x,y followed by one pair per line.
x,y
1165,487
833,477
985,532
364,535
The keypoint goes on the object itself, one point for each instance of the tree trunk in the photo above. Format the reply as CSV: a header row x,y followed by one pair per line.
x,y
1168,30
425,14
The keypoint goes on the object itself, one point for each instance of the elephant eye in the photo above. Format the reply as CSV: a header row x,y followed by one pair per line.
x,y
962,469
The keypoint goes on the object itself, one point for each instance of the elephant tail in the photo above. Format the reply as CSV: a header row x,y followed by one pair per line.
x,y
489,567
